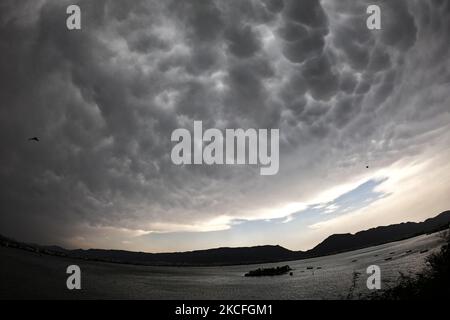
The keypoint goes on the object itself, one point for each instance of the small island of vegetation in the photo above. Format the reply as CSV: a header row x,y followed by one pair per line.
x,y
268,271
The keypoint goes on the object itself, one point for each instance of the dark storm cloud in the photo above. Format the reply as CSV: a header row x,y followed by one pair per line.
x,y
304,28
309,13
274,6
104,101
321,80
203,19
243,42
399,28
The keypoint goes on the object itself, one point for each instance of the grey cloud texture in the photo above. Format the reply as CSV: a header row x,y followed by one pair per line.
x,y
104,101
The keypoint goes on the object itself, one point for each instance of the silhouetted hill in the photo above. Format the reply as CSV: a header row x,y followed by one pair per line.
x,y
217,256
375,236
246,255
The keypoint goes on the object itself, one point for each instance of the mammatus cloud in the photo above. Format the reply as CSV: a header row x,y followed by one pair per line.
x,y
105,99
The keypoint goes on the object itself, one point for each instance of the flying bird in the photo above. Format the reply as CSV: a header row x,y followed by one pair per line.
x,y
34,139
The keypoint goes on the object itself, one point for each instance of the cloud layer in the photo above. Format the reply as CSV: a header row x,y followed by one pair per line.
x,y
104,101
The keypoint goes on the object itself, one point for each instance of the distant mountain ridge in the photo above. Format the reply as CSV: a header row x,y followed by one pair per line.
x,y
379,235
335,243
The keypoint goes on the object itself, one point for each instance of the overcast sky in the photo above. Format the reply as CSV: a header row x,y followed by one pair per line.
x,y
105,99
